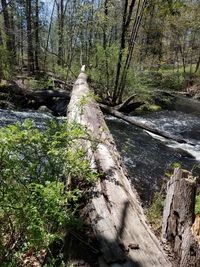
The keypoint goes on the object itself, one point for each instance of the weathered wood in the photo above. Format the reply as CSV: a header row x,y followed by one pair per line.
x,y
141,125
178,218
196,228
114,210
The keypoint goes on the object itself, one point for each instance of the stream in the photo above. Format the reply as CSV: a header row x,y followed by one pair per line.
x,y
147,156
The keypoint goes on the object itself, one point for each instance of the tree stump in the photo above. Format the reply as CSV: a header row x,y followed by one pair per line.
x,y
178,218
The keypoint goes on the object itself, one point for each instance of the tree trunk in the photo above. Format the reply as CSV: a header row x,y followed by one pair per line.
x,y
127,14
114,211
1,65
134,33
197,64
12,34
29,37
9,32
36,34
121,51
106,2
48,36
7,25
178,218
21,45
60,7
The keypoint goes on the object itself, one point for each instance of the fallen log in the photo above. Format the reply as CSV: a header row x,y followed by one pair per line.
x,y
46,93
172,93
178,219
55,100
129,105
15,90
142,125
115,213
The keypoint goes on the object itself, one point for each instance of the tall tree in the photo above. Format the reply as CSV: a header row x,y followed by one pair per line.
x,y
7,26
134,32
36,34
126,19
30,53
60,10
1,67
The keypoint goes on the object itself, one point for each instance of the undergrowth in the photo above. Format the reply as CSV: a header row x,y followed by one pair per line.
x,y
36,207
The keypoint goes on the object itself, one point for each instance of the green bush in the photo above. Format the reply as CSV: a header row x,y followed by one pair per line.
x,y
36,208
42,83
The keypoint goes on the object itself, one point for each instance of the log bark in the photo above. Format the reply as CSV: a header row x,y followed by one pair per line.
x,y
115,213
141,125
178,218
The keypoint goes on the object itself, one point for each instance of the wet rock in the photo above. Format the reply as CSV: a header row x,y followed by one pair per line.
x,y
184,154
60,107
44,109
6,104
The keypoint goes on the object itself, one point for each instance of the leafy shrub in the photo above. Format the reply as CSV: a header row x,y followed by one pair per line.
x,y
42,83
35,206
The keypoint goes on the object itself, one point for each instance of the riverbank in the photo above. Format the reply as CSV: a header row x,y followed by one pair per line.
x,y
50,91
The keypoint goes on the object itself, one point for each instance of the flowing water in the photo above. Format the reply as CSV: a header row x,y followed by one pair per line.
x,y
10,117
147,156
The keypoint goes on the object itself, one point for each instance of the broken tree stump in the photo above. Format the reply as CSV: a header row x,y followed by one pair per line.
x,y
178,218
114,211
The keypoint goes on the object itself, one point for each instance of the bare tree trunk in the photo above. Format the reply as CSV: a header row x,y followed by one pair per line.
x,y
127,13
178,218
49,31
7,25
182,53
132,41
21,40
105,43
36,34
121,50
197,64
60,8
29,37
115,213
1,67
